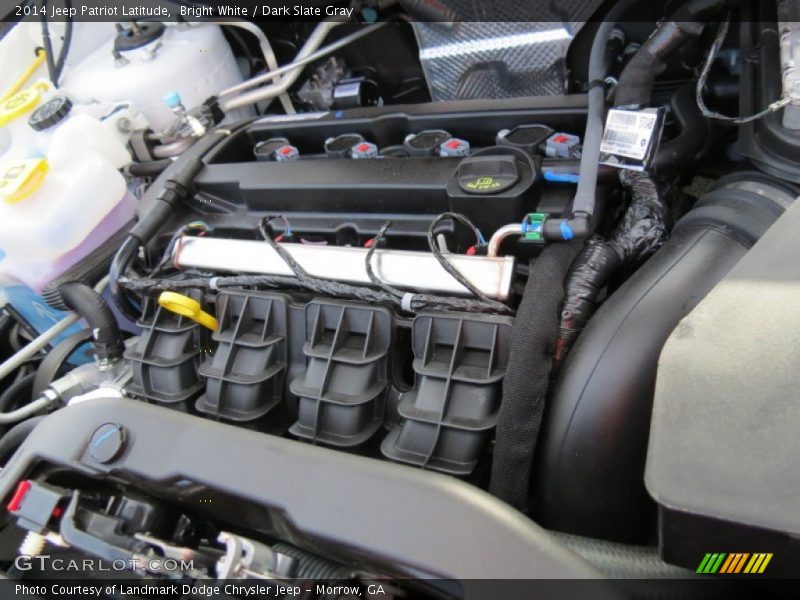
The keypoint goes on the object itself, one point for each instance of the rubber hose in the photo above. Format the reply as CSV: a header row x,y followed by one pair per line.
x,y
11,393
151,168
635,85
87,303
65,44
695,136
596,430
14,437
579,225
55,359
156,208
89,270
119,265
47,42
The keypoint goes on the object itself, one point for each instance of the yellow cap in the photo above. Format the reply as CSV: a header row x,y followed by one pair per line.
x,y
22,102
21,178
187,307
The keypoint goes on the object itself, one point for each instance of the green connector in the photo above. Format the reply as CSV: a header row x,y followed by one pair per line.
x,y
533,227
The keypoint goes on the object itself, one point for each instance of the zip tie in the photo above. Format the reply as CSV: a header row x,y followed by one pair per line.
x,y
212,283
405,302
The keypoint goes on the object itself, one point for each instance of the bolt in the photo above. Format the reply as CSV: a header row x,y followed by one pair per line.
x,y
124,125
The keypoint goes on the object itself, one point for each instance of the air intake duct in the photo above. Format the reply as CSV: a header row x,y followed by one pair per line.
x,y
591,456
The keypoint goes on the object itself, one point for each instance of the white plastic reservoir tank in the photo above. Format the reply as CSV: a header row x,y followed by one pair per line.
x,y
53,214
193,59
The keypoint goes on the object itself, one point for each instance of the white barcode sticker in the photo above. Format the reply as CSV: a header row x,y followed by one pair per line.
x,y
629,133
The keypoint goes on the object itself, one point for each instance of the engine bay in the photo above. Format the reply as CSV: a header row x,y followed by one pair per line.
x,y
381,300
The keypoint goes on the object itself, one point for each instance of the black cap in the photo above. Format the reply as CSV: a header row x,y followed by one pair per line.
x,y
425,143
107,442
524,137
50,113
339,146
137,35
487,174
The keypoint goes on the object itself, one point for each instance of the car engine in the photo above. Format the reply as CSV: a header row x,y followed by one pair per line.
x,y
390,299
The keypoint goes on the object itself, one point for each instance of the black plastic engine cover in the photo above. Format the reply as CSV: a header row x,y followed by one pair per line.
x,y
346,201
378,513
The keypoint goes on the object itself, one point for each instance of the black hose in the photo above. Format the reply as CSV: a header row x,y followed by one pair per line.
x,y
695,135
150,168
89,270
14,437
10,396
107,339
62,55
48,45
636,82
579,225
245,48
119,265
614,48
173,191
635,85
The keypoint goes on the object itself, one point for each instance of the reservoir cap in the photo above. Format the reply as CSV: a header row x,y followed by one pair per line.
x,y
50,113
137,35
172,99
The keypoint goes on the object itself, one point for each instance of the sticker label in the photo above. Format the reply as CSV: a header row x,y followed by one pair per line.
x,y
628,133
631,137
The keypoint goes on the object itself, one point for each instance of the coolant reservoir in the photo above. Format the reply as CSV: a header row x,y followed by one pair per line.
x,y
17,139
33,124
143,65
63,130
53,214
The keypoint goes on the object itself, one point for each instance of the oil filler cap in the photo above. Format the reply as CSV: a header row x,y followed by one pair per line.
x,y
486,175
107,442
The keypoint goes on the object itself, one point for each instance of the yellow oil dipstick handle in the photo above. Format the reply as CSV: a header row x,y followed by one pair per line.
x,y
187,307
17,85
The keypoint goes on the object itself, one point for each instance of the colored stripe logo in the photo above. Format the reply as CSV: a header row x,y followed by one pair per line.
x,y
734,563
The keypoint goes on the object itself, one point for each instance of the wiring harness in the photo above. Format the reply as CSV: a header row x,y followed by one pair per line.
x,y
410,302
